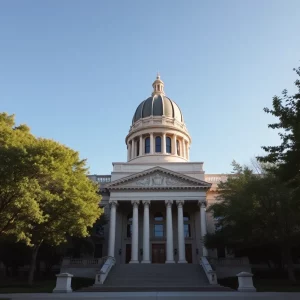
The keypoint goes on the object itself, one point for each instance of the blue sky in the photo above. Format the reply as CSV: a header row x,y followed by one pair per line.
x,y
75,71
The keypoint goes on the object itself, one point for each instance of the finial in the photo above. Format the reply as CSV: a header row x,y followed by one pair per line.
x,y
158,86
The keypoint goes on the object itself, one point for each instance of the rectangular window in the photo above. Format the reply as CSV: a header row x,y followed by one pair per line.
x,y
129,230
187,230
138,148
159,230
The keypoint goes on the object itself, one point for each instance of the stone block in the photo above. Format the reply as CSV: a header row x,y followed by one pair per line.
x,y
63,283
245,282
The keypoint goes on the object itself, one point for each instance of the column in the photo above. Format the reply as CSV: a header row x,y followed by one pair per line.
x,y
141,145
146,234
151,143
181,241
188,150
135,233
163,143
174,146
183,149
170,253
132,149
203,225
112,228
129,151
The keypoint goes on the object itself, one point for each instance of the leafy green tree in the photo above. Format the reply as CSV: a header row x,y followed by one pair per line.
x,y
54,197
255,211
19,193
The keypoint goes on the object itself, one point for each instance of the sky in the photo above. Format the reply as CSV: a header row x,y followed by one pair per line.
x,y
75,71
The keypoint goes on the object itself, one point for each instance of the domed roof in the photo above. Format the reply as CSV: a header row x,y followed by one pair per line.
x,y
158,104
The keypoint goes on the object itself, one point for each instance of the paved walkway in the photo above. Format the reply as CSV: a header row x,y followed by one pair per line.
x,y
158,296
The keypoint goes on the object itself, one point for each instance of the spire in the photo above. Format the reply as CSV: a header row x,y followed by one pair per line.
x,y
158,86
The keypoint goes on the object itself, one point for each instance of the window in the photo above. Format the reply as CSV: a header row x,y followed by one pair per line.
x,y
129,225
178,147
158,144
147,145
187,225
168,145
159,230
158,225
158,217
137,148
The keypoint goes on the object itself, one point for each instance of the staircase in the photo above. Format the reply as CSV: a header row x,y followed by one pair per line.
x,y
156,277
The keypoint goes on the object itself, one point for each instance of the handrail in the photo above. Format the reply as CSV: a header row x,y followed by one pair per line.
x,y
209,272
109,262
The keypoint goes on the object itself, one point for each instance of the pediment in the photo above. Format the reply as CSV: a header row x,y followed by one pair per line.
x,y
158,178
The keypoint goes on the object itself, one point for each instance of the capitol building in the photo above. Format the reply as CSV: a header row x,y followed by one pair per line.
x,y
155,205
156,201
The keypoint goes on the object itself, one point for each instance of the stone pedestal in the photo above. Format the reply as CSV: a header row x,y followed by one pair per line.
x,y
245,282
63,283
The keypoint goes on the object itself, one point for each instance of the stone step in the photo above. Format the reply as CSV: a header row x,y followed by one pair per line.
x,y
156,275
211,288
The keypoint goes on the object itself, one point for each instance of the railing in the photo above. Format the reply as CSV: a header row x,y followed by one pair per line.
x,y
82,262
209,272
215,178
229,261
109,262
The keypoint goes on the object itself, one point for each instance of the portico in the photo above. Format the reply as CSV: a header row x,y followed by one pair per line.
x,y
163,213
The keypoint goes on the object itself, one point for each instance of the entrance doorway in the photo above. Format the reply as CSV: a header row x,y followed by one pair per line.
x,y
128,253
188,253
158,253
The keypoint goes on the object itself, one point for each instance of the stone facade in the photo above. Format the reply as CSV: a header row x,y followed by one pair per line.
x,y
156,201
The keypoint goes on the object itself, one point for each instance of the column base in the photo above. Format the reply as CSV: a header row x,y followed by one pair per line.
x,y
169,262
134,262
182,262
145,262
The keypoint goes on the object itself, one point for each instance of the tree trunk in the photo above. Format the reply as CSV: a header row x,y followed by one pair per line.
x,y
289,262
34,253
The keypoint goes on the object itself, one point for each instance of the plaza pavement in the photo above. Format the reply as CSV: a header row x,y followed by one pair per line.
x,y
156,296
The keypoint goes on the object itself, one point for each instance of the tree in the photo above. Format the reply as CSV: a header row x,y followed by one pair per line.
x,y
285,158
19,193
255,210
63,201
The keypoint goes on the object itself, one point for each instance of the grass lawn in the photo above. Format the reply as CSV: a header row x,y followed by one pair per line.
x,y
45,286
265,284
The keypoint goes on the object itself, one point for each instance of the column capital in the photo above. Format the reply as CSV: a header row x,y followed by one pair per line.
x,y
146,202
169,202
113,203
135,202
202,204
179,202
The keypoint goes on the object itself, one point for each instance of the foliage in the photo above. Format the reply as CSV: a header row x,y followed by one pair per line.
x,y
287,155
255,211
45,194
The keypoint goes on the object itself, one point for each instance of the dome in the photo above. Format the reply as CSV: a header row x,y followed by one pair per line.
x,y
158,105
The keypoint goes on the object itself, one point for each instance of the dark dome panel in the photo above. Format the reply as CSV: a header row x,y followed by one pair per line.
x,y
157,106
168,108
147,108
138,112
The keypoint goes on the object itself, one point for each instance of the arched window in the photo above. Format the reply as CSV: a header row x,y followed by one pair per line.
x,y
187,225
147,145
178,147
158,225
158,144
138,148
168,145
129,225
